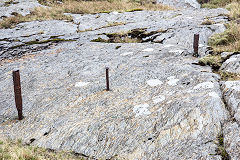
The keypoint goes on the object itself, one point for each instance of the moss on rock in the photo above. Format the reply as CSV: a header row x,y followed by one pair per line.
x,y
228,76
215,61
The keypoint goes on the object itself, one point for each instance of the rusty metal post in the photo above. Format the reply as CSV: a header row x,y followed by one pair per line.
x,y
107,79
195,45
17,92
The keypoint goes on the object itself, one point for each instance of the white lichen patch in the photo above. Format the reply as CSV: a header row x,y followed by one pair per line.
x,y
172,81
213,94
204,85
168,45
171,77
115,12
169,102
126,53
141,109
154,82
148,50
158,99
81,84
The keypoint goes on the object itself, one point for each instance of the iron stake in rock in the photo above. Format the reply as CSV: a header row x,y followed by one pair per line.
x,y
17,92
107,79
195,45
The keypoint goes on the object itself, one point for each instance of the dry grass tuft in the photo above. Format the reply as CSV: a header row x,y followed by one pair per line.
x,y
230,39
207,22
39,14
234,9
214,61
227,76
216,3
56,10
80,7
10,150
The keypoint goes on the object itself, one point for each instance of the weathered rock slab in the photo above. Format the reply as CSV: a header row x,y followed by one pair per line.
x,y
161,104
231,92
66,107
232,139
181,3
232,64
23,7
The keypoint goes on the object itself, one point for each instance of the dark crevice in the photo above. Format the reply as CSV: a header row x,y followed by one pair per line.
x,y
50,150
8,3
196,63
210,141
215,62
40,42
139,35
31,140
5,39
228,108
28,47
220,150
230,55
46,133
81,154
17,53
221,147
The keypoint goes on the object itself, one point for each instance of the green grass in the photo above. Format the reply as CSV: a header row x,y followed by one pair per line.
x,y
221,148
215,61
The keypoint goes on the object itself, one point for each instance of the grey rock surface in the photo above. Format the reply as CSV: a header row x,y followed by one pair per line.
x,y
181,3
161,104
232,139
14,41
226,55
